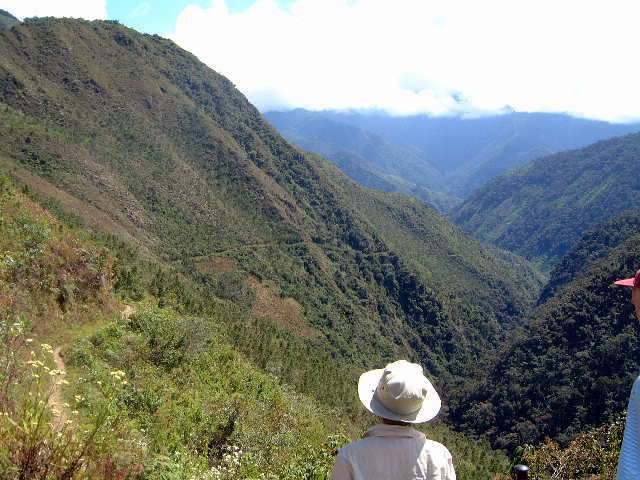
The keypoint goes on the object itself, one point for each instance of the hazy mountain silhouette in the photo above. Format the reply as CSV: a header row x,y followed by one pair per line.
x,y
466,152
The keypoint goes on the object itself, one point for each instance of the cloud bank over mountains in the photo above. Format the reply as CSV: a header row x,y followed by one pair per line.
x,y
414,56
454,57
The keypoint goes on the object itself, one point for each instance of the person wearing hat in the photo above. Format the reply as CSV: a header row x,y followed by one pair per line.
x,y
629,461
400,395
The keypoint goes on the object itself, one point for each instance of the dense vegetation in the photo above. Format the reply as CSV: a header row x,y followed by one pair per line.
x,y
594,245
541,210
139,139
593,455
155,394
463,152
50,277
572,366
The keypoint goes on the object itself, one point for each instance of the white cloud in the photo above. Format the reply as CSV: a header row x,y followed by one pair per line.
x,y
87,9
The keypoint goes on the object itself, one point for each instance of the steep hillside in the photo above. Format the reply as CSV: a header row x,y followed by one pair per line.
x,y
541,210
139,139
465,152
572,367
85,391
461,264
7,20
365,157
151,393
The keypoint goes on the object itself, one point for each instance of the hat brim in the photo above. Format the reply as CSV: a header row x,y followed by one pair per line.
x,y
366,391
627,282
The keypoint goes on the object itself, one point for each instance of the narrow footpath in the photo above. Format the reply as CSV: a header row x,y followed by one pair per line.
x,y
56,401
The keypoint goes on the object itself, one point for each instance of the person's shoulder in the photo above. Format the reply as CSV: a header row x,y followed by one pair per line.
x,y
434,447
355,446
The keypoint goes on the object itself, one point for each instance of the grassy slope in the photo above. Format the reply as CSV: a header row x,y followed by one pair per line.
x,y
163,150
189,404
58,284
541,210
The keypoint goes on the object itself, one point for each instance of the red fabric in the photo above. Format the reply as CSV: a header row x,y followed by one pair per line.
x,y
630,282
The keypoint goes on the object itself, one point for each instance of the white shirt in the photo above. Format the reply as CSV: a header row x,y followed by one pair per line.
x,y
629,462
394,452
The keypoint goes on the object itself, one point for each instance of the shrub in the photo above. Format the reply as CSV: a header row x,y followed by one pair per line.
x,y
592,455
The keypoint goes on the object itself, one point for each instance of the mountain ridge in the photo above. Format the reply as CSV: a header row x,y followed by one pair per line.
x,y
367,158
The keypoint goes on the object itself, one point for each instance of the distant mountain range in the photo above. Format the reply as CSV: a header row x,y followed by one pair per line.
x,y
541,210
446,154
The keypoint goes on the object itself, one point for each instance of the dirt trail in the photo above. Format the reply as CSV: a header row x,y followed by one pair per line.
x,y
56,401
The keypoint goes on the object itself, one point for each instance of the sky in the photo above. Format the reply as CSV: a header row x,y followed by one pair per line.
x,y
445,57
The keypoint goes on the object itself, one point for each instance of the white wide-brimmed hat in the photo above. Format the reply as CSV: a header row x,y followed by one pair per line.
x,y
400,392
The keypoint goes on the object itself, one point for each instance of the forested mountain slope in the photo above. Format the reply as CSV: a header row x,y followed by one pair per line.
x,y
327,136
572,366
461,265
466,152
594,245
138,138
541,210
